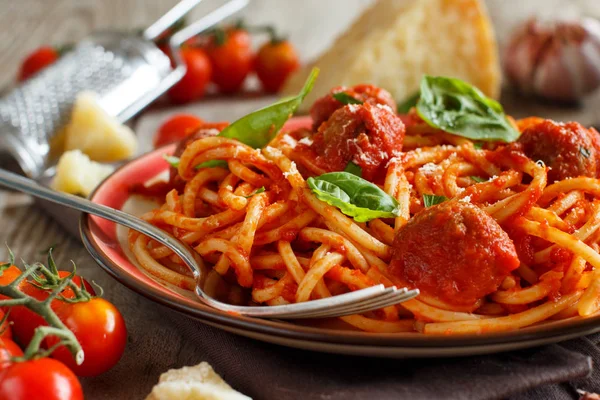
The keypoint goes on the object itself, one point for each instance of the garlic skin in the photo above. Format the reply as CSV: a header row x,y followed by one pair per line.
x,y
557,61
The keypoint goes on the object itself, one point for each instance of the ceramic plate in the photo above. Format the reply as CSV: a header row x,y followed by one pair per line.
x,y
106,243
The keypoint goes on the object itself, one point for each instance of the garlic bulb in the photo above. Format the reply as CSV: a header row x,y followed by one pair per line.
x,y
557,61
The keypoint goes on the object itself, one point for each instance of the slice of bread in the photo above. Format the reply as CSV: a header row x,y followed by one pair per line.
x,y
393,43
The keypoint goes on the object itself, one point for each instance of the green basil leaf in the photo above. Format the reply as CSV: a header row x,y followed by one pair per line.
x,y
257,191
172,160
408,103
431,200
353,169
478,179
258,128
459,108
354,196
212,163
346,99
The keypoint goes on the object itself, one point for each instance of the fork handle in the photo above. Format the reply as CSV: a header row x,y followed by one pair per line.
x,y
29,186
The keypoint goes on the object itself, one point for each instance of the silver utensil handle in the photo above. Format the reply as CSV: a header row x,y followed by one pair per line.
x,y
29,186
169,18
229,8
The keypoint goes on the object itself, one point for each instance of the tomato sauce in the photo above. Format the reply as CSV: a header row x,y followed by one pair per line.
x,y
454,252
325,106
367,135
568,149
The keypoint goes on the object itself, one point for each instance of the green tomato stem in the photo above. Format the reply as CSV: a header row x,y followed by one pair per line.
x,y
43,308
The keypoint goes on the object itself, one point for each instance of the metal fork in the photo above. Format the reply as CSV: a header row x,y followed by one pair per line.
x,y
356,302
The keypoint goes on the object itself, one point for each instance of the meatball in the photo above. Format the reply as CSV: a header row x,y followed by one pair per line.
x,y
368,135
325,106
568,149
453,251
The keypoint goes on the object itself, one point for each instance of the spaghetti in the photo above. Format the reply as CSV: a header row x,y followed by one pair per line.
x,y
509,245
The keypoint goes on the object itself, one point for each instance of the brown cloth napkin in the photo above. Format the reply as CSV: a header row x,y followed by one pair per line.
x,y
270,372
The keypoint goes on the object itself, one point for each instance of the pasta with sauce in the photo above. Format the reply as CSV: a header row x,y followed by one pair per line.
x,y
496,236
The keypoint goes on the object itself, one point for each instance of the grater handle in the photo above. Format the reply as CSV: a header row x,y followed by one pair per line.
x,y
206,22
169,18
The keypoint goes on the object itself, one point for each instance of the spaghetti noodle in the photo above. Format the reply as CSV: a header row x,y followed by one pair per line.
x,y
508,245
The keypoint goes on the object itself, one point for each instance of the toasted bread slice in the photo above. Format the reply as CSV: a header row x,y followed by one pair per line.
x,y
395,42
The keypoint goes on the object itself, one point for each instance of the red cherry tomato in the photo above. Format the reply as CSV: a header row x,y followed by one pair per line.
x,y
197,76
99,328
231,59
274,63
41,379
5,331
24,321
8,349
176,128
7,276
37,61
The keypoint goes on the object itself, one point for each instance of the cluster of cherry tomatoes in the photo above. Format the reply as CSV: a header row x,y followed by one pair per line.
x,y
223,56
51,372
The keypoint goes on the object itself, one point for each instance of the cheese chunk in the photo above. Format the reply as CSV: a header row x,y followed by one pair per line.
x,y
77,174
200,382
395,42
96,133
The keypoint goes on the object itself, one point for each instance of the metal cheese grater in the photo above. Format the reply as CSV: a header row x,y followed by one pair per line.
x,y
127,72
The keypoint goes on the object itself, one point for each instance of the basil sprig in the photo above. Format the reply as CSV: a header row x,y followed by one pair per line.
x,y
459,108
408,103
346,99
353,169
174,162
258,128
432,199
354,196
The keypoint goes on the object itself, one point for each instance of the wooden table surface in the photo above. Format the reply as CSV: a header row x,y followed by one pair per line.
x,y
26,24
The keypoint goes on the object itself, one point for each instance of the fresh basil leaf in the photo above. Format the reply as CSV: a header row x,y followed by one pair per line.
x,y
478,145
258,128
459,108
212,163
354,196
172,160
431,200
408,103
353,169
478,179
346,99
257,191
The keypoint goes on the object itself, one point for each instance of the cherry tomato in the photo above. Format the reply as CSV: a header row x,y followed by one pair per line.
x,y
8,349
7,276
176,128
24,321
5,331
41,379
274,63
231,59
37,61
99,328
197,76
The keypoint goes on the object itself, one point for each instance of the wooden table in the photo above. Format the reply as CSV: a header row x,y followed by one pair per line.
x,y
26,24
